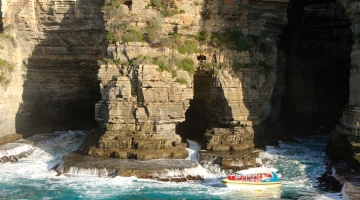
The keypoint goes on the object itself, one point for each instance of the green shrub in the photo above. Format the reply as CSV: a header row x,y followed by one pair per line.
x,y
5,68
233,40
182,81
188,47
117,61
115,10
172,41
187,64
153,29
209,66
134,35
114,3
141,60
166,7
111,37
203,36
109,61
157,3
174,73
4,36
224,65
206,13
237,66
163,63
154,25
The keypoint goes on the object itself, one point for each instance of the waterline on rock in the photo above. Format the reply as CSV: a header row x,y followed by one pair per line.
x,y
32,177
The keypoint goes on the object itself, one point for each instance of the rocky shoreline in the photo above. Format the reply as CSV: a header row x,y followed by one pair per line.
x,y
11,150
348,178
176,170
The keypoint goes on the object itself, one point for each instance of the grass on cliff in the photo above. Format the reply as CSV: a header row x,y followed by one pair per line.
x,y
164,63
166,7
134,35
233,40
182,81
4,36
111,37
186,64
5,70
188,47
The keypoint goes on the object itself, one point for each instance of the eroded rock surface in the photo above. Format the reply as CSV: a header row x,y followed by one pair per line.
x,y
164,170
138,112
53,46
345,139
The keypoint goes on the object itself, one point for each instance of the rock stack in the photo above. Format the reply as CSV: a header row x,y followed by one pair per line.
x,y
138,112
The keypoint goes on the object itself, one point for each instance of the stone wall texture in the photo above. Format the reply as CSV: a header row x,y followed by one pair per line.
x,y
54,85
143,110
344,142
57,84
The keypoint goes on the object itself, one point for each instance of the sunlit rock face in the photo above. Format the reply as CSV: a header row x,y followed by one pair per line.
x,y
144,106
238,96
54,85
139,110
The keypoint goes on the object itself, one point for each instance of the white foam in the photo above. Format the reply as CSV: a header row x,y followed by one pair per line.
x,y
14,149
88,172
193,149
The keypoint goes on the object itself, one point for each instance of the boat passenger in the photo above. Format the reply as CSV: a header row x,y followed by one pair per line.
x,y
268,175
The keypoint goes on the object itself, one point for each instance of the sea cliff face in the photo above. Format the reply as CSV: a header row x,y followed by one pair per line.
x,y
53,85
151,74
344,142
201,70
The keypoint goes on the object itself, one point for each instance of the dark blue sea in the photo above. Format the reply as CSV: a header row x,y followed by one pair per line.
x,y
300,165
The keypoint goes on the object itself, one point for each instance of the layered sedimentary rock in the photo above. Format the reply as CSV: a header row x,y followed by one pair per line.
x,y
54,85
10,71
139,110
175,170
344,142
316,70
230,85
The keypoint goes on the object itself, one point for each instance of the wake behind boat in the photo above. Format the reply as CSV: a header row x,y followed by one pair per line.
x,y
259,176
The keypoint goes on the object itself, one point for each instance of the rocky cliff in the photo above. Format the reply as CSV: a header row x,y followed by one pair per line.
x,y
344,142
54,46
213,72
229,74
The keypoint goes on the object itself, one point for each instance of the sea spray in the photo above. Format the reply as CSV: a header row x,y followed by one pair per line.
x,y
14,149
206,169
88,172
32,178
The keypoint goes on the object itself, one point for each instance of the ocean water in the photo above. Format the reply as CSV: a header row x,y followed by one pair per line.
x,y
32,178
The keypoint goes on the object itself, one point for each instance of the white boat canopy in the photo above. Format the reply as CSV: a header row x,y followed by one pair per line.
x,y
257,170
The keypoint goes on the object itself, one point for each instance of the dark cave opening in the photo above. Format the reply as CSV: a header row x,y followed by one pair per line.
x,y
61,85
198,114
317,43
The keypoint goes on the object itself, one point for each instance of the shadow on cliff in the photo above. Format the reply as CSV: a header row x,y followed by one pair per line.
x,y
315,76
208,109
61,86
